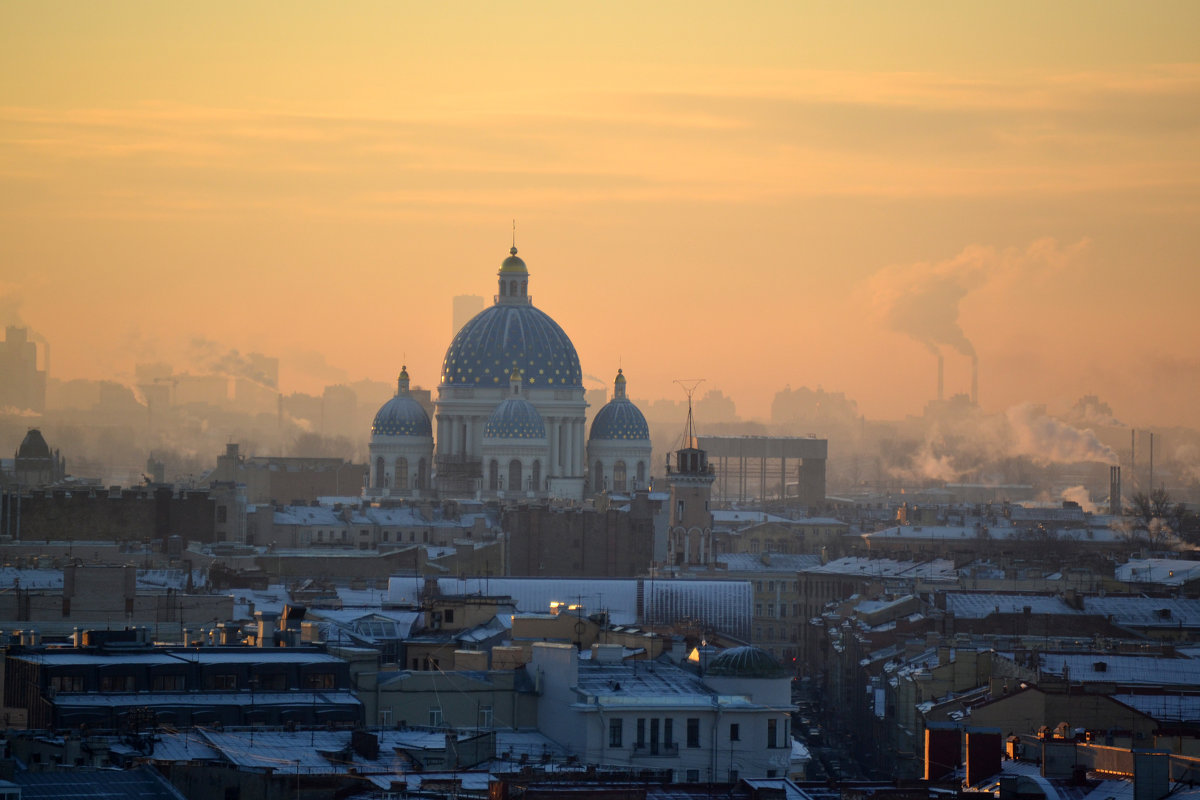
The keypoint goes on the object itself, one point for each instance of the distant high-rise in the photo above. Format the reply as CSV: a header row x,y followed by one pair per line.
x,y
466,306
24,385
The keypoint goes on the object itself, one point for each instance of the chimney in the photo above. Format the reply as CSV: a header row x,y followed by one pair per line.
x,y
974,380
1114,490
1151,775
984,748
943,749
941,376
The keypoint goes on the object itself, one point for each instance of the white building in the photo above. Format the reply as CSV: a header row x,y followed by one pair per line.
x,y
732,723
510,415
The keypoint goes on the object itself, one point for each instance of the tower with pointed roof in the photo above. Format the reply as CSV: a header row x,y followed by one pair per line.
x,y
690,478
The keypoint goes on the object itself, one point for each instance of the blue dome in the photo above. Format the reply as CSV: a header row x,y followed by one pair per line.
x,y
505,336
402,416
619,419
515,418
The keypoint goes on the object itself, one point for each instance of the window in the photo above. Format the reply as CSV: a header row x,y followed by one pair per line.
x,y
614,732
401,480
693,732
771,737
222,514
448,615
771,773
117,683
221,682
385,718
435,717
67,683
668,732
693,776
758,586
319,680
758,609
619,476
485,716
678,509
735,732
640,740
166,683
770,609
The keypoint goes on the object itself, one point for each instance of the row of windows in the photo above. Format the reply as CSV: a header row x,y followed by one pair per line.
x,y
228,682
797,611
656,735
620,478
401,471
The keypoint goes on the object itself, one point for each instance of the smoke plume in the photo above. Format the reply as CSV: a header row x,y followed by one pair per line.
x,y
1045,440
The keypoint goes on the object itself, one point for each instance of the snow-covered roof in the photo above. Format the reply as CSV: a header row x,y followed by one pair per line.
x,y
1123,669
1146,612
1163,571
978,605
768,562
938,569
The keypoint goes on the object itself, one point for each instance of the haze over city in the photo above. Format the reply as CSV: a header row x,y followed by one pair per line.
x,y
793,195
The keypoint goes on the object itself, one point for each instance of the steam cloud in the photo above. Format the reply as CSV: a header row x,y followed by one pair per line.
x,y
922,300
216,359
1046,440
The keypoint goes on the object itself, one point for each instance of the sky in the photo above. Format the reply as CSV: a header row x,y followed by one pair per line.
x,y
760,195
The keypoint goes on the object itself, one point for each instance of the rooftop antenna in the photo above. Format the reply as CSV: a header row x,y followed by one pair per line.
x,y
689,386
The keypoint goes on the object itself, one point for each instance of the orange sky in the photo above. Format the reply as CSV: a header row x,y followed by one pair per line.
x,y
811,194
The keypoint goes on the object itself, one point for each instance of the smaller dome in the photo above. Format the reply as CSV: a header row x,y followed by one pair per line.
x,y
745,662
402,415
515,418
619,418
33,446
513,265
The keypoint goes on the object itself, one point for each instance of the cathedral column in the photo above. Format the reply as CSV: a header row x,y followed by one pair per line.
x,y
552,442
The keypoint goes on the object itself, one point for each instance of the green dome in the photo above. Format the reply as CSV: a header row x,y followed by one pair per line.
x,y
745,662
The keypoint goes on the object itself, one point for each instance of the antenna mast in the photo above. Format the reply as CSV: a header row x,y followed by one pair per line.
x,y
689,386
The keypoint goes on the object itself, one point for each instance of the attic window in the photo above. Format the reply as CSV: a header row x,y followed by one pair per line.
x,y
1101,666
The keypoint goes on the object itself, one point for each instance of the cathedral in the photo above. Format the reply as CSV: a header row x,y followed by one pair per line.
x,y
510,416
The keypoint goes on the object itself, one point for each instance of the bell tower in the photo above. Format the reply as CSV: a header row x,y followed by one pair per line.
x,y
689,537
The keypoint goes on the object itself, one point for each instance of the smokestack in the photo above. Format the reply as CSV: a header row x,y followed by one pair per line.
x,y
1133,455
1151,486
941,375
974,380
1114,490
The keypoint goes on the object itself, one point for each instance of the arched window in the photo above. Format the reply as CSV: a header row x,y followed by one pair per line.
x,y
422,475
598,477
512,289
514,475
524,287
619,476
535,479
401,473
380,475
493,475
503,289
641,475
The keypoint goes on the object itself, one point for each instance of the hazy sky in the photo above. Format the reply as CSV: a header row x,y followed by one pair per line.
x,y
813,194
